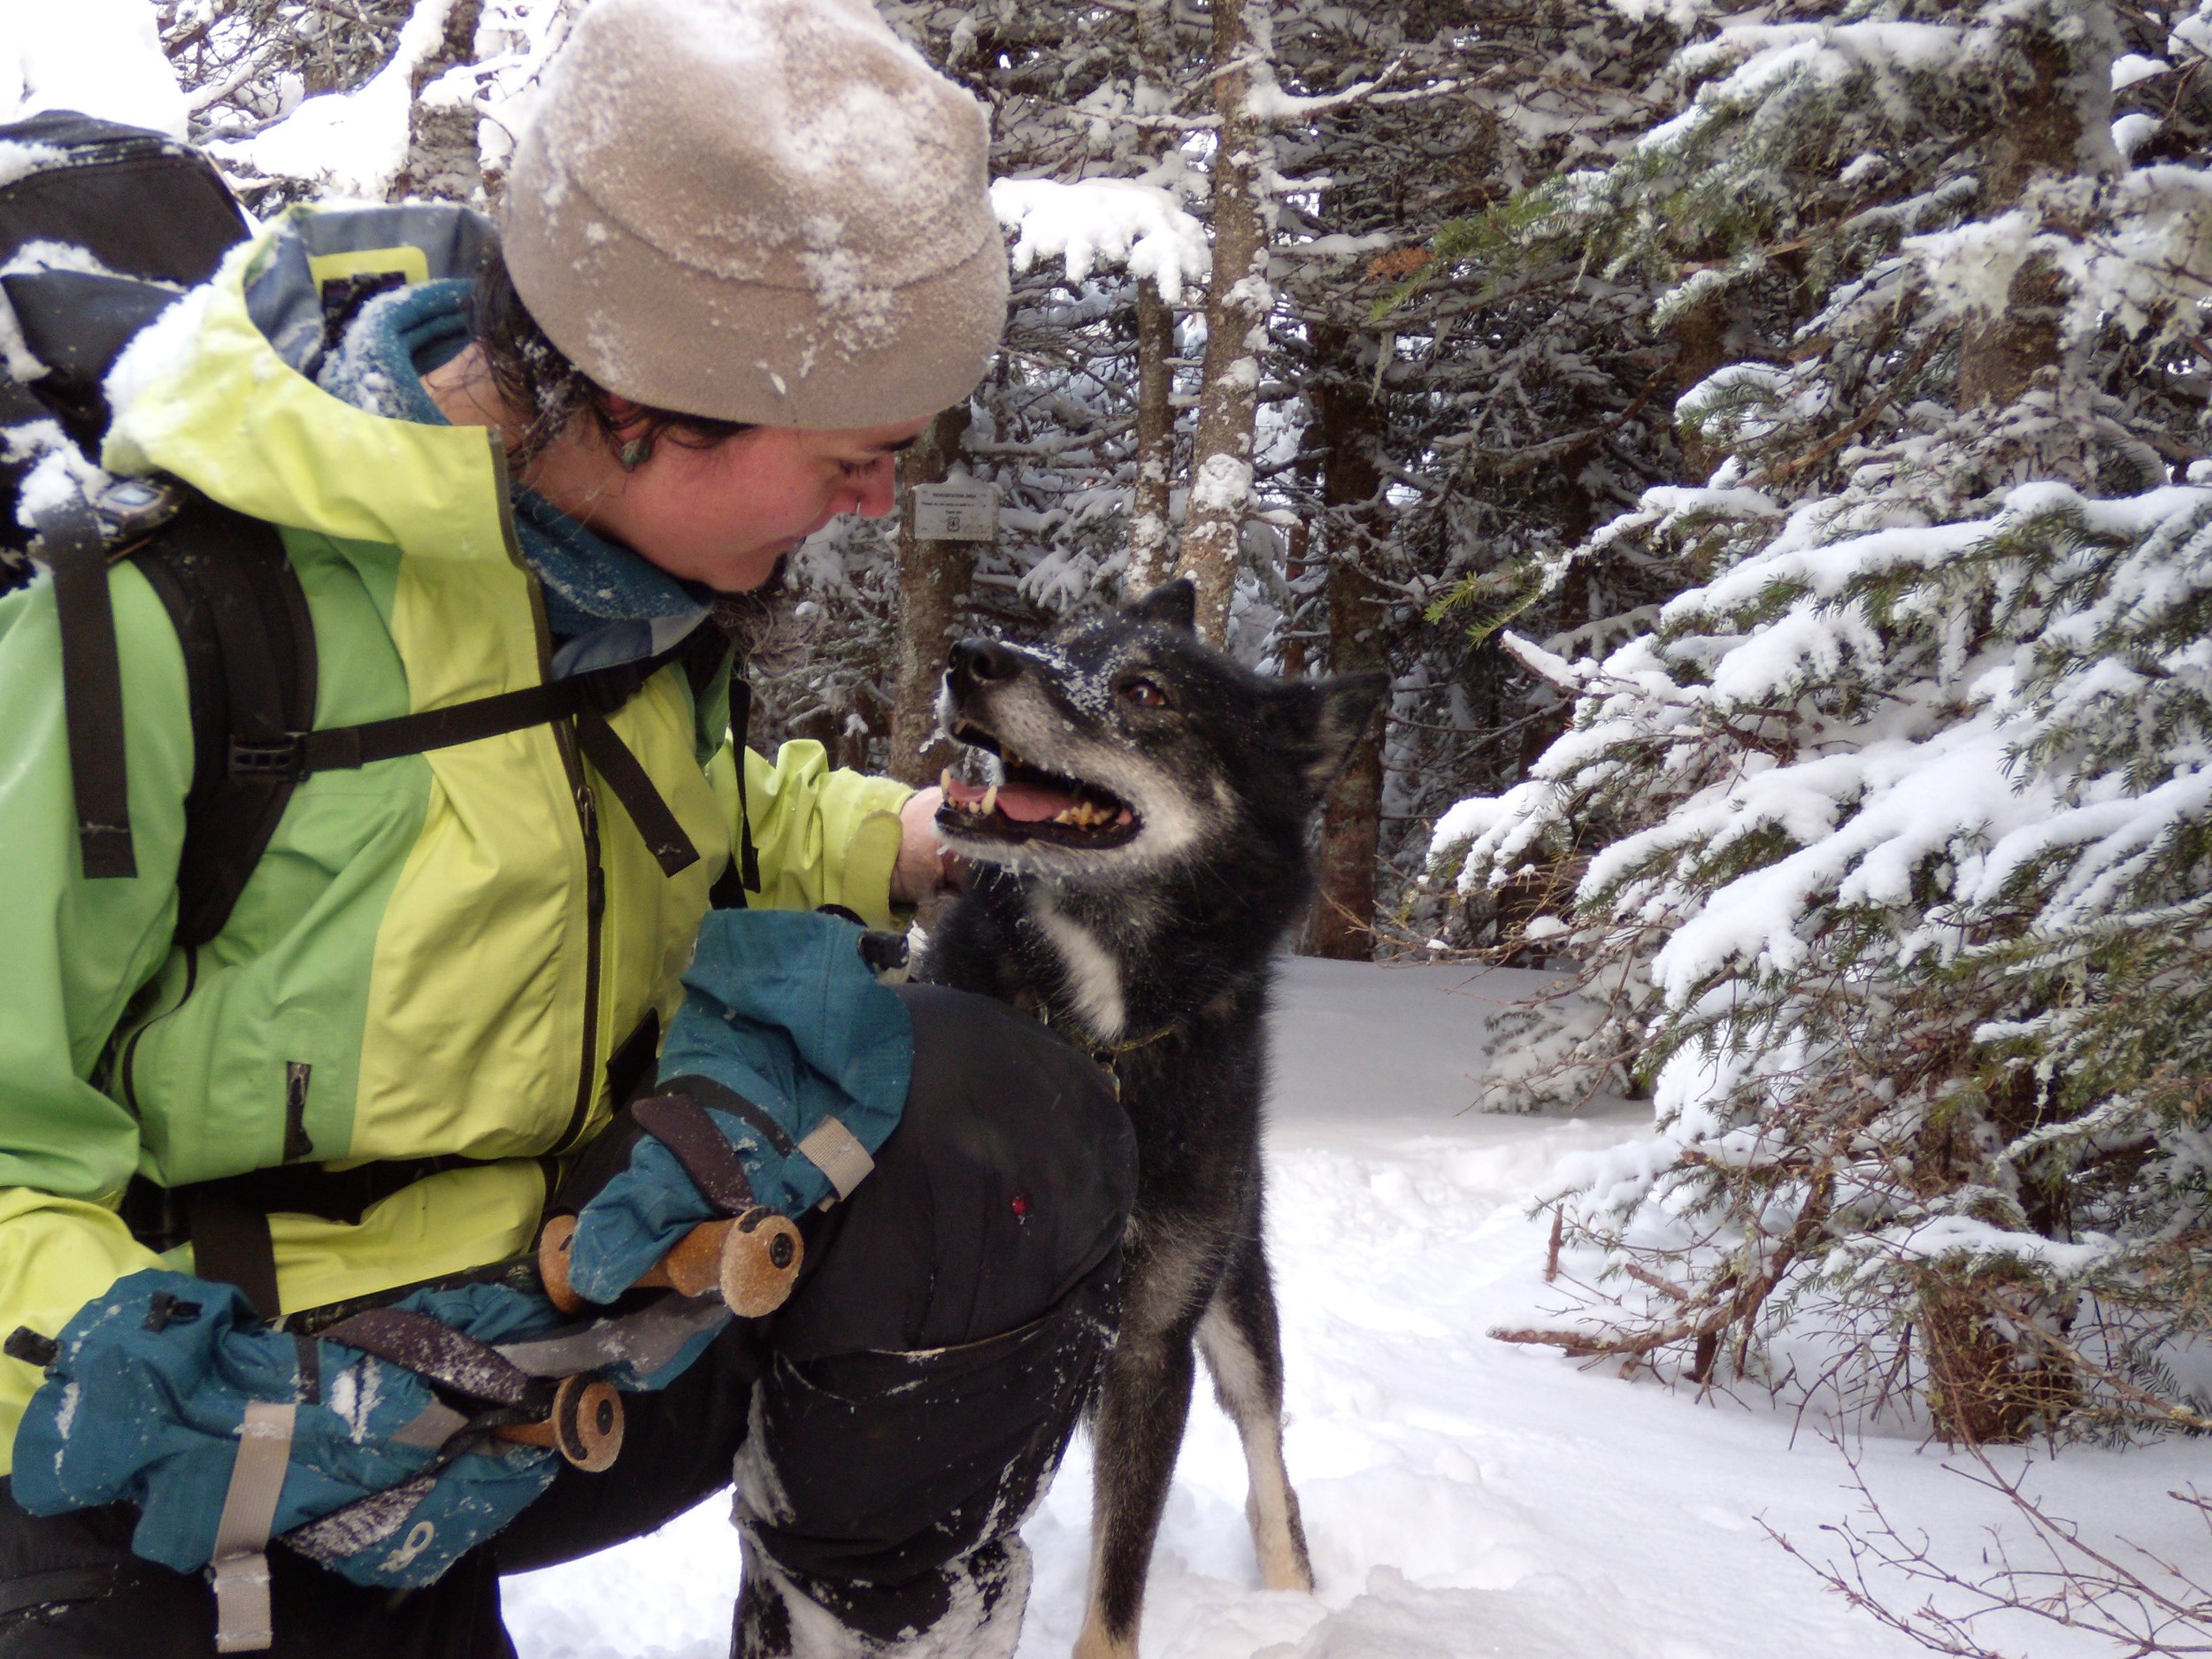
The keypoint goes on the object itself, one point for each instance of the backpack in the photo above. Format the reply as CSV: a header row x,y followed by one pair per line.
x,y
101,228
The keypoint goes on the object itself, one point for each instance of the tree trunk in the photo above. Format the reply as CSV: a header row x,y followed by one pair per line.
x,y
1987,1380
933,577
442,153
1701,345
1151,535
2052,122
1151,541
1238,301
1349,423
1296,560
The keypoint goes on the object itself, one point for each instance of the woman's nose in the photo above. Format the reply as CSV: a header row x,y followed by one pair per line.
x,y
877,489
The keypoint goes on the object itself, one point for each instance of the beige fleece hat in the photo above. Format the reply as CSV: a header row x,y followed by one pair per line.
x,y
765,210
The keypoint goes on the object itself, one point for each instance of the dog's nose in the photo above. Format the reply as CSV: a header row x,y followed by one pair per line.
x,y
982,661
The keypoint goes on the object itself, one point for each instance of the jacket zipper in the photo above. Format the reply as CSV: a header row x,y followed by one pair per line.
x,y
297,1142
594,907
586,818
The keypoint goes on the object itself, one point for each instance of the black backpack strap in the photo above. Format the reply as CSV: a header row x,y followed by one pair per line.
x,y
71,545
249,652
632,786
296,754
586,699
231,1245
250,659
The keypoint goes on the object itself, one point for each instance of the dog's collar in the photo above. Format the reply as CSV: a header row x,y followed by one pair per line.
x,y
1108,1053
1111,1052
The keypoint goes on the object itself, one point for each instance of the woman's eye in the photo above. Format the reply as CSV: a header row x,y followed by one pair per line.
x,y
1144,694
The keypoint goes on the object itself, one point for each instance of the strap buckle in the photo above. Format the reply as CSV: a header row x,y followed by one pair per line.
x,y
282,760
129,509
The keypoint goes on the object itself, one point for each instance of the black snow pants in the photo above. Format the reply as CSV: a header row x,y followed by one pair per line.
x,y
888,1429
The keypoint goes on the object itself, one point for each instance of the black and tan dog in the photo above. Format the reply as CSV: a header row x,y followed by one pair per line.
x,y
1139,857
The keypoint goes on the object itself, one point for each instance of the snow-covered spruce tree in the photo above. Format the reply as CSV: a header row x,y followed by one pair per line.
x,y
1888,843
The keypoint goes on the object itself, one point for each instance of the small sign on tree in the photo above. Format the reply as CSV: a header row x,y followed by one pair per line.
x,y
961,511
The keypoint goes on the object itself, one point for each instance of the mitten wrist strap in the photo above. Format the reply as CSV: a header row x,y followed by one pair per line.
x,y
680,1122
240,1569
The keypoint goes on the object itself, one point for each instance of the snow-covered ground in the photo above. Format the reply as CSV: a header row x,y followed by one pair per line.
x,y
1462,1497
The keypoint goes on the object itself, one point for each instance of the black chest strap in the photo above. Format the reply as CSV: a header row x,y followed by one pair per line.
x,y
249,646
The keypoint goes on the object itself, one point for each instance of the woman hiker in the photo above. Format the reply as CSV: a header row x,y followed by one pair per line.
x,y
745,254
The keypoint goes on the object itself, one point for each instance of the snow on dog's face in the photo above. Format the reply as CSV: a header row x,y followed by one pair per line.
x,y
1128,745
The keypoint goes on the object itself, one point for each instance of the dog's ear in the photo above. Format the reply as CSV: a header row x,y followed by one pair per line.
x,y
1317,722
1171,604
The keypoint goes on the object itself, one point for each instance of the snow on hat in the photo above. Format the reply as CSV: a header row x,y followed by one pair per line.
x,y
765,210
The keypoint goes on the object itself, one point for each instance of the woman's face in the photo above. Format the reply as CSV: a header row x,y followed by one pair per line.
x,y
724,516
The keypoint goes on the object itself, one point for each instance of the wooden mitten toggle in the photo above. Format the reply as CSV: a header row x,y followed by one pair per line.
x,y
751,1261
585,1425
583,1422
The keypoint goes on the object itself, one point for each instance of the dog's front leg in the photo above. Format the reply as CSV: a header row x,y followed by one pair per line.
x,y
1241,1337
1142,1408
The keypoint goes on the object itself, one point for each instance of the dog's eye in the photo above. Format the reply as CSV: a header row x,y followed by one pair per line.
x,y
1144,694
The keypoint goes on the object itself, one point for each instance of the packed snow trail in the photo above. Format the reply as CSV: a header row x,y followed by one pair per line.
x,y
1462,1497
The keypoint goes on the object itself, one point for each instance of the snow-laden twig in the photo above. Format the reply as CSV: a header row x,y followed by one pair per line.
x,y
2144,1606
1095,224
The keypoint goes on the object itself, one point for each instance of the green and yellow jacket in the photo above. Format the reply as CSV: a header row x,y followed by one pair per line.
x,y
417,961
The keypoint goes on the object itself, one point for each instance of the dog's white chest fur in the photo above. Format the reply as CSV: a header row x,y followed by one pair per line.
x,y
1092,975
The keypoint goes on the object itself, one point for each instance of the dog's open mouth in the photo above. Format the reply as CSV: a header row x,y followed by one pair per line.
x,y
1030,803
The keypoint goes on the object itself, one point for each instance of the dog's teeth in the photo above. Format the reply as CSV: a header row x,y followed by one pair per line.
x,y
944,780
990,800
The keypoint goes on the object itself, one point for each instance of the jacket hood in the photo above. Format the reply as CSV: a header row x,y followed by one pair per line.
x,y
220,391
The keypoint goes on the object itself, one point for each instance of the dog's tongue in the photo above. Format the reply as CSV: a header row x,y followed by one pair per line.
x,y
1024,802
1032,802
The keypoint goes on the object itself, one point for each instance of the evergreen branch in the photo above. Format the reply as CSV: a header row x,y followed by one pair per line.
x,y
1835,441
